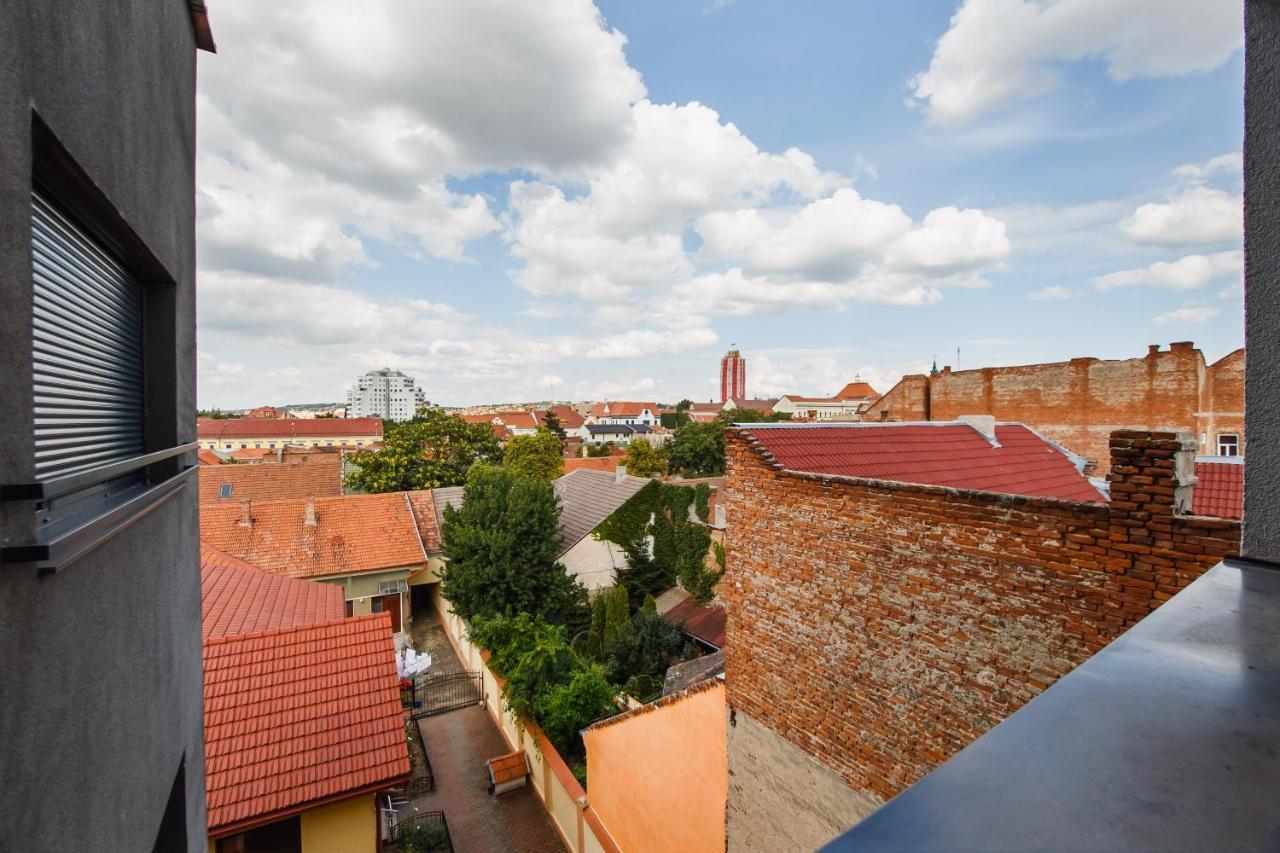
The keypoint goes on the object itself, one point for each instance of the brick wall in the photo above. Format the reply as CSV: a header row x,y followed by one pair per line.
x,y
882,627
1079,403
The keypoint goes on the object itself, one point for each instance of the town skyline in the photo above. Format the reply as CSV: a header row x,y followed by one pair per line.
x,y
835,206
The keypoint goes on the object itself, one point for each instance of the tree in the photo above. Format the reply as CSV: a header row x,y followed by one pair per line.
x,y
552,422
430,451
643,459
570,707
697,449
598,450
645,647
538,455
501,550
617,611
684,405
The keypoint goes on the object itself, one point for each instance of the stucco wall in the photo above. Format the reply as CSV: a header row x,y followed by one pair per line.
x,y
101,698
594,563
658,778
347,826
1262,277
780,798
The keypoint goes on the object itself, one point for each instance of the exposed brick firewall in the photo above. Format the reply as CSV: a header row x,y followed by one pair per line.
x,y
882,627
1079,403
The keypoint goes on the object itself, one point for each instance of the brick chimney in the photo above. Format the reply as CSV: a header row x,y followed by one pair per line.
x,y
246,514
309,517
1152,473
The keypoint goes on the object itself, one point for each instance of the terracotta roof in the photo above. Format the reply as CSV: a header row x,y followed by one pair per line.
x,y
348,534
856,390
286,428
313,479
268,412
478,419
300,714
250,454
704,621
237,598
593,463
518,419
753,405
1219,490
706,407
828,400
1019,462
570,418
587,498
622,409
427,519
208,457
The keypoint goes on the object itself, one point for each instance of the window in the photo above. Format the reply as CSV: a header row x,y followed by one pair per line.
x,y
224,491
1228,444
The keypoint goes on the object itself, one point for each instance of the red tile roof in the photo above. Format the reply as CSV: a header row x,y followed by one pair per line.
x,y
704,621
594,463
286,428
856,390
622,409
517,419
940,454
760,405
299,715
570,418
346,534
208,457
237,598
320,477
1219,490
478,419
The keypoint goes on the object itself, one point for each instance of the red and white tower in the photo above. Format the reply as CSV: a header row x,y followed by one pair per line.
x,y
733,376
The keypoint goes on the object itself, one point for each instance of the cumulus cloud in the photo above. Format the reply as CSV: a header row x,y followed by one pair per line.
x,y
1230,163
1196,216
1186,316
1187,273
1052,292
997,52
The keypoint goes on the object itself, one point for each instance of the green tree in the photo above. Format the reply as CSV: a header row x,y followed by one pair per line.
x,y
702,500
500,549
432,450
597,450
537,455
617,611
650,604
571,706
643,459
645,647
684,405
697,449
552,422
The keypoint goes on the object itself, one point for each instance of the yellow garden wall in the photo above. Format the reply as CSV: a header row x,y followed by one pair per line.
x,y
347,826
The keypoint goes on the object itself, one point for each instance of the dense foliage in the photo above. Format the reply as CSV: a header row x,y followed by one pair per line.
x,y
597,450
432,450
702,500
645,646
643,459
501,549
697,449
537,455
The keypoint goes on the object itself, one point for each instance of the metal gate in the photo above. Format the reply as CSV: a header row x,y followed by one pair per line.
x,y
446,691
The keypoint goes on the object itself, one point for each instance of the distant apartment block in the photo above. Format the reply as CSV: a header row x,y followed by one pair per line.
x,y
386,394
733,375
1080,402
231,434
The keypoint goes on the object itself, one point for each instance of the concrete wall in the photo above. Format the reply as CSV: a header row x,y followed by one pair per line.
x,y
101,698
658,776
347,826
1262,277
594,563
780,797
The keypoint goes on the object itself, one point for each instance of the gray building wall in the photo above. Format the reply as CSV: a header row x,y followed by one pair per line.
x,y
100,663
1262,279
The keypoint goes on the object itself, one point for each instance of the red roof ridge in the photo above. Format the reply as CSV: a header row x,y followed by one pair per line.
x,y
384,615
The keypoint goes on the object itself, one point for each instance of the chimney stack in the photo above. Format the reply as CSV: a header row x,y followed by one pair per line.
x,y
246,514
985,424
620,474
309,518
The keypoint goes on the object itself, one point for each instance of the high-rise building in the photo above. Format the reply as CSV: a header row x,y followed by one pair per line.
x,y
733,376
387,394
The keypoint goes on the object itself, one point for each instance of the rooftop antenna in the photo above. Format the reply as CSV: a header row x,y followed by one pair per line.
x,y
957,358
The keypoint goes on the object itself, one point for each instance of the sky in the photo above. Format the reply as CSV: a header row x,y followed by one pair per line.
x,y
518,201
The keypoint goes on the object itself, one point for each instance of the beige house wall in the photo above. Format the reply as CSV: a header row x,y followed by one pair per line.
x,y
780,798
594,563
348,826
268,442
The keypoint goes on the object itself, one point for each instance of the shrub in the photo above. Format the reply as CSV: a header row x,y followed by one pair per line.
x,y
425,837
571,706
644,648
702,500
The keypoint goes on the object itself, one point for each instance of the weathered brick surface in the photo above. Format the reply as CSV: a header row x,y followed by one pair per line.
x,y
882,627
1079,403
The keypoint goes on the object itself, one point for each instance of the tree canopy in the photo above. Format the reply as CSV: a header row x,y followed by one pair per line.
x,y
538,455
432,450
697,449
501,549
643,459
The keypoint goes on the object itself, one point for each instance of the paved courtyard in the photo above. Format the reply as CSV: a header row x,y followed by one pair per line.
x,y
457,744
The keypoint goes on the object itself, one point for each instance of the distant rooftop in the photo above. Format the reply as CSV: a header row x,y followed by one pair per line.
x,y
238,598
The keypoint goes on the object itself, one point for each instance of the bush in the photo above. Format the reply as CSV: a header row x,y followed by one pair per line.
x,y
573,705
645,647
425,837
702,500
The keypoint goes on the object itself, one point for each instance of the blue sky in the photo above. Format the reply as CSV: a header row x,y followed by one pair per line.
x,y
577,202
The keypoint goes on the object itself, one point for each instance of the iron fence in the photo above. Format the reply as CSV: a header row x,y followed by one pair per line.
x,y
424,832
447,691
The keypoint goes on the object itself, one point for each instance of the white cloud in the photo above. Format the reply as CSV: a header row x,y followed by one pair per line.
x,y
1052,292
1185,316
1196,216
1186,273
1232,163
647,342
997,52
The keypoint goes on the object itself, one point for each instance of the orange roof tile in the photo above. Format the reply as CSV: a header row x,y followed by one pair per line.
x,y
286,428
1219,490
298,715
517,419
569,417
316,478
594,463
856,390
622,409
314,537
237,598
208,457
